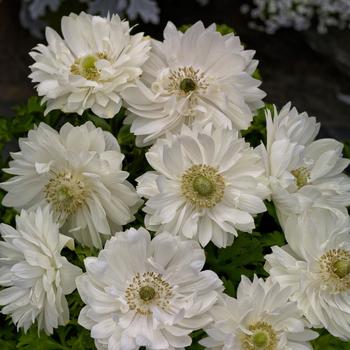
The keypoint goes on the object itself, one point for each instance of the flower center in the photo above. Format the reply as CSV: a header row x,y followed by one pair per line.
x,y
185,80
335,270
147,293
86,66
260,339
147,290
66,192
263,337
187,85
203,186
302,176
342,268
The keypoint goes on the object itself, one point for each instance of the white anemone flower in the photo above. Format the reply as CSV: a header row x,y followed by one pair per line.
x,y
78,171
37,277
140,292
96,60
196,76
303,173
207,184
316,265
261,318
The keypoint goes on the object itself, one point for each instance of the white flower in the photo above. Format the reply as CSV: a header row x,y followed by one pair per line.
x,y
316,265
37,277
96,60
198,76
78,172
207,185
146,293
303,173
261,318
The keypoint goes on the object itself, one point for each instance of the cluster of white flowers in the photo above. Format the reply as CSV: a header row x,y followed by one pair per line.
x,y
188,97
270,15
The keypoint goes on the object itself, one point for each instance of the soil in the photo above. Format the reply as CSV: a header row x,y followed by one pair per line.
x,y
290,69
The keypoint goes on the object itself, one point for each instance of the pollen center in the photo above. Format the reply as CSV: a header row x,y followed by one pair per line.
x,y
186,80
86,66
335,270
147,293
203,186
302,176
263,337
66,192
260,339
342,268
147,290
187,85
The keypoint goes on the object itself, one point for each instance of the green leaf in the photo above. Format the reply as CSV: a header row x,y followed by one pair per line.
x,y
329,342
32,340
125,137
224,29
99,122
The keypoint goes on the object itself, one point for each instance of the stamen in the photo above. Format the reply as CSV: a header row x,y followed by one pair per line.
x,y
263,337
147,293
146,290
86,66
203,186
186,80
187,85
66,192
335,270
302,176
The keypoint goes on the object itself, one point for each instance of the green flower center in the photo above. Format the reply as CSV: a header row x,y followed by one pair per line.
x,y
302,176
335,270
184,80
260,339
342,268
263,337
66,192
187,85
147,290
86,66
88,62
147,293
203,186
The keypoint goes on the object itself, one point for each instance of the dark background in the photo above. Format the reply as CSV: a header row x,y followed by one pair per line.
x,y
309,69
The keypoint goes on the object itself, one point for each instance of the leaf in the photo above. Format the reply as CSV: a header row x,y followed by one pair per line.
x,y
328,342
224,29
31,340
99,122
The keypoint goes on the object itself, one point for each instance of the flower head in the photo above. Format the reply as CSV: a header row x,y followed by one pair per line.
x,y
303,173
196,76
37,277
96,60
261,318
207,184
140,292
316,266
78,172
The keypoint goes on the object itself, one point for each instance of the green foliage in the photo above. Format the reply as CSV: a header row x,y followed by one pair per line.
x,y
245,256
224,29
327,342
256,133
221,28
346,150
